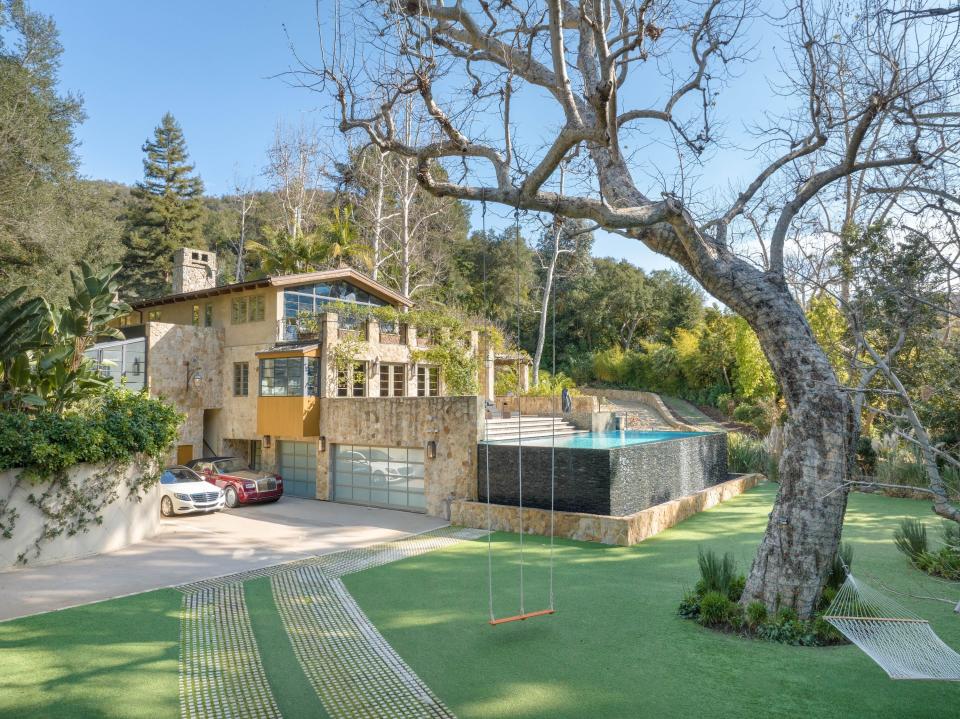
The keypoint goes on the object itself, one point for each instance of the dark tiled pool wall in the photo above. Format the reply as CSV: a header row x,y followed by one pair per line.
x,y
582,481
616,481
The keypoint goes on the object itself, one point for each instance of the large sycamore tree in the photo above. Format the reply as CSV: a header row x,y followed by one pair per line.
x,y
856,94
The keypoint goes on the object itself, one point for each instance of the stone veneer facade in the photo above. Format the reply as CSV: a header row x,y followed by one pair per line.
x,y
616,481
606,529
175,354
452,422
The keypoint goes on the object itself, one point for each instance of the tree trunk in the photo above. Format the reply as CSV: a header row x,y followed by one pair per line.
x,y
544,308
803,534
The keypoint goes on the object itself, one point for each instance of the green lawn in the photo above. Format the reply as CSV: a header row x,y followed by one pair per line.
x,y
111,659
615,648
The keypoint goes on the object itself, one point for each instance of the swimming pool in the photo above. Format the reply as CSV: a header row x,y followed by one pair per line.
x,y
599,440
608,473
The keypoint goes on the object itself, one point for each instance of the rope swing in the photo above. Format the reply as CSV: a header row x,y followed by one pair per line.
x,y
523,614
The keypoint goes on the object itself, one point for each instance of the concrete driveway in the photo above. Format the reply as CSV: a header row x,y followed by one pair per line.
x,y
194,547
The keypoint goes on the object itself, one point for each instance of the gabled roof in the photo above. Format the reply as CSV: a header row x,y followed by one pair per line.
x,y
344,273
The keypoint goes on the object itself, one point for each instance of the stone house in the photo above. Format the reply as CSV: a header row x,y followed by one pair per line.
x,y
256,380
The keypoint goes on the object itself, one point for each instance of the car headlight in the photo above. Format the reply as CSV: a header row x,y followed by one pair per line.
x,y
249,485
182,497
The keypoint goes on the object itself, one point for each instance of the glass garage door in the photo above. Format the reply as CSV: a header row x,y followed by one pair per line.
x,y
298,467
381,476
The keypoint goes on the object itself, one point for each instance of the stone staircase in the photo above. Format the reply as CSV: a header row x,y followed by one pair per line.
x,y
528,426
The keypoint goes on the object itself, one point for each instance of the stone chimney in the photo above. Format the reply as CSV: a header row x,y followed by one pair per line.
x,y
194,270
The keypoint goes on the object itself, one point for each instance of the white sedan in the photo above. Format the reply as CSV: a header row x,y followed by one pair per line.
x,y
183,490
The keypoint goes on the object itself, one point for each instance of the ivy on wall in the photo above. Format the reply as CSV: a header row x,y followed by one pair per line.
x,y
115,428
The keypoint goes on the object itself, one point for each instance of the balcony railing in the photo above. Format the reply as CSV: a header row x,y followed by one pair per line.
x,y
299,329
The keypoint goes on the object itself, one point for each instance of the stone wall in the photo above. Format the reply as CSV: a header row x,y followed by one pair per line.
x,y
129,519
547,406
175,353
615,481
605,529
650,399
454,423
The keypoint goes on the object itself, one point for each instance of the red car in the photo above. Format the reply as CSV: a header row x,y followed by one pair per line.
x,y
240,484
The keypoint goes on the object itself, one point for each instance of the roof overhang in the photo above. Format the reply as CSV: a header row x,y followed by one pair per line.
x,y
280,281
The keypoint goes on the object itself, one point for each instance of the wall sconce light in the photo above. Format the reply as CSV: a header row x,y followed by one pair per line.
x,y
266,441
323,444
432,449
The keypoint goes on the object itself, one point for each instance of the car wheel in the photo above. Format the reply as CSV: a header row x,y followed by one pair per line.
x,y
166,507
230,497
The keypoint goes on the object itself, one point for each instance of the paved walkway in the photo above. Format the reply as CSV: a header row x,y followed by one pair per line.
x,y
196,547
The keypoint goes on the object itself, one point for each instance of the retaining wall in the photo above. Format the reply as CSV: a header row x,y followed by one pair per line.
x,y
130,518
606,529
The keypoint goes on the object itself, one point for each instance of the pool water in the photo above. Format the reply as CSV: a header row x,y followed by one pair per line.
x,y
599,440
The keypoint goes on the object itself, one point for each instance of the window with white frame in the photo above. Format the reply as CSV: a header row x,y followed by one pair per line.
x,y
352,380
392,380
428,381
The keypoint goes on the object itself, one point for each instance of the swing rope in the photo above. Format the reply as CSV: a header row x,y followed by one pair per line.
x,y
486,425
550,610
516,232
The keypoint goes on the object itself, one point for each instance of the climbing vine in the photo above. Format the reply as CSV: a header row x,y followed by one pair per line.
x,y
115,429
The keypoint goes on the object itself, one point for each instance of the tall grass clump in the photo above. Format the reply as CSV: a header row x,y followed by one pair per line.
x,y
746,454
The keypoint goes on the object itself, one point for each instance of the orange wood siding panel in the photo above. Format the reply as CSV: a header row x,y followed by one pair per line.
x,y
289,417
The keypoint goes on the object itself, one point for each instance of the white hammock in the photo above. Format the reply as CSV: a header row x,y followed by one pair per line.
x,y
904,645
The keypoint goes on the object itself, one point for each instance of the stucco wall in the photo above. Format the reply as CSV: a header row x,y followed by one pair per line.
x,y
125,521
453,422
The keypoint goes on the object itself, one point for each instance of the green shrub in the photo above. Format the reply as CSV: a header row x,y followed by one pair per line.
x,y
756,614
735,591
951,535
689,606
716,574
114,426
866,457
746,454
714,608
786,614
911,538
838,575
825,632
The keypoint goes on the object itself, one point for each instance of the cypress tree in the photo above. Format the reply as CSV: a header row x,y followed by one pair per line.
x,y
166,213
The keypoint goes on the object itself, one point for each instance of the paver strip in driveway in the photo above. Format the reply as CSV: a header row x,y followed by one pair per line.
x,y
353,669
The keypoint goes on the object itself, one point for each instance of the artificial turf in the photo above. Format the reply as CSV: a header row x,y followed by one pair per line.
x,y
616,648
292,691
110,659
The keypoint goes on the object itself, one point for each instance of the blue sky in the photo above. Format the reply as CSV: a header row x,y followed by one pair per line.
x,y
214,65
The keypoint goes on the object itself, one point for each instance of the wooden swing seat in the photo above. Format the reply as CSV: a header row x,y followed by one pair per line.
x,y
521,617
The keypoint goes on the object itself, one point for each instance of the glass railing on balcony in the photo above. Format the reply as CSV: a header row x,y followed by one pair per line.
x,y
299,329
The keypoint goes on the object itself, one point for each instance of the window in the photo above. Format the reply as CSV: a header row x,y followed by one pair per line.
x,y
241,379
284,376
123,361
428,381
196,315
246,309
238,311
392,380
208,315
352,380
153,315
256,308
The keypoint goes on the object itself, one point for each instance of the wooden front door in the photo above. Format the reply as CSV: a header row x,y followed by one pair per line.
x,y
184,453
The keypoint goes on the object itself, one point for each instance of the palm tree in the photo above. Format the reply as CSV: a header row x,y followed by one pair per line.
x,y
335,242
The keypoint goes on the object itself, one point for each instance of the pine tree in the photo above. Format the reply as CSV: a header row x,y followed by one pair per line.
x,y
166,214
